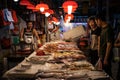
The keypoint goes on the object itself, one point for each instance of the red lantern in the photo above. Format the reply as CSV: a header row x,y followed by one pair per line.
x,y
54,19
34,10
48,12
49,20
25,2
66,10
30,6
69,5
69,17
42,7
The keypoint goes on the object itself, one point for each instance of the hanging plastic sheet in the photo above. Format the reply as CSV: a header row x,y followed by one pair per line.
x,y
2,20
14,16
11,25
8,15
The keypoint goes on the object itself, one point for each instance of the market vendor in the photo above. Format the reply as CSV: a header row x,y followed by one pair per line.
x,y
27,34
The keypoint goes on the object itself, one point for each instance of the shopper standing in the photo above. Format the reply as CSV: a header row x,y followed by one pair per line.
x,y
106,43
94,38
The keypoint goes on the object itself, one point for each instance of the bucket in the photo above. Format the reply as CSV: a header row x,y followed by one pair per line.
x,y
15,39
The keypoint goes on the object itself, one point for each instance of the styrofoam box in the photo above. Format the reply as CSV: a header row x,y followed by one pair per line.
x,y
74,33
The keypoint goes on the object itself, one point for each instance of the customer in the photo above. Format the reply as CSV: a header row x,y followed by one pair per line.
x,y
94,36
27,34
106,43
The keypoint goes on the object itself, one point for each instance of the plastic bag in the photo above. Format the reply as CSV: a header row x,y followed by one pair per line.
x,y
98,65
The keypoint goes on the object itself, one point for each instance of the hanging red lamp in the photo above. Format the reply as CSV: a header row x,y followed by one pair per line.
x,y
69,11
69,6
54,19
48,12
30,6
35,10
42,7
49,20
69,17
25,2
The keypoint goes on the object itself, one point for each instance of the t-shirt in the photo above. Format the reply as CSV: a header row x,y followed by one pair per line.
x,y
106,36
94,38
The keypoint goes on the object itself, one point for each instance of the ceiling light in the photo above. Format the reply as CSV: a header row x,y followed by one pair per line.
x,y
42,7
15,0
69,9
69,16
25,2
47,14
69,6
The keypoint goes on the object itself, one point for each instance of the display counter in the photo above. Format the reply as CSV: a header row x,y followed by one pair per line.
x,y
62,61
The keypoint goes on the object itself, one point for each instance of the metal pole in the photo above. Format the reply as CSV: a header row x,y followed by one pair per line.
x,y
46,30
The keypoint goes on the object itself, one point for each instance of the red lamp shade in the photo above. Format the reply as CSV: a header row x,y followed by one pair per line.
x,y
48,12
68,17
66,10
49,20
30,6
34,10
42,7
25,2
54,19
69,3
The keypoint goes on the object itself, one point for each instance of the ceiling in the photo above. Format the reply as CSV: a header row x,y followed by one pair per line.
x,y
85,7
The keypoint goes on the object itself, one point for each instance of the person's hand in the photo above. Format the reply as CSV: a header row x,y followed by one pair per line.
x,y
105,62
21,39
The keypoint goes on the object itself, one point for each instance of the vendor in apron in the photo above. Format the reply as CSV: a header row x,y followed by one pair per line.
x,y
27,36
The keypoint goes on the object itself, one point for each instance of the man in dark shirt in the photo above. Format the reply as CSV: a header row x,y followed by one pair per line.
x,y
106,43
94,36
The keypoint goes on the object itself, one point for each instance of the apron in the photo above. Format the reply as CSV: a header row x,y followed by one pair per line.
x,y
28,39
